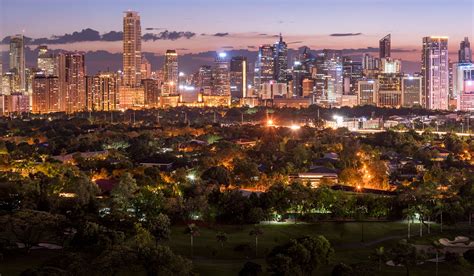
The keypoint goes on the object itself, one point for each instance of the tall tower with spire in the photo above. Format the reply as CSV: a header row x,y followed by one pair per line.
x,y
280,60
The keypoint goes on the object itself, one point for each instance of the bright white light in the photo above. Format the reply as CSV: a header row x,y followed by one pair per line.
x,y
181,74
297,63
191,177
339,119
270,122
222,55
295,127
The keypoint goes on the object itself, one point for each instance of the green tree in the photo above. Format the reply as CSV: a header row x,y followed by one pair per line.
x,y
405,254
124,191
302,256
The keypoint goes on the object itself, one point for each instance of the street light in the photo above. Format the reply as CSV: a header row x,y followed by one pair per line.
x,y
270,122
295,127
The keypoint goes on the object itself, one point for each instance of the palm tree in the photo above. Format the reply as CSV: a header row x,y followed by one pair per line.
x,y
256,231
221,238
380,253
193,231
437,247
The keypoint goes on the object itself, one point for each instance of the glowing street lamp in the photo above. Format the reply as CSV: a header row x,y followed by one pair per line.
x,y
270,122
295,127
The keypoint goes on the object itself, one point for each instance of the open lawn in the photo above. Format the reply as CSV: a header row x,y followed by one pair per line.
x,y
210,258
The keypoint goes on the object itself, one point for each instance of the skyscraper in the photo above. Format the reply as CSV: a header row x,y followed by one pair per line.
x,y
435,71
465,53
71,72
463,86
17,60
238,76
280,60
204,79
45,98
46,62
385,46
221,76
171,73
132,47
145,70
102,92
264,66
411,91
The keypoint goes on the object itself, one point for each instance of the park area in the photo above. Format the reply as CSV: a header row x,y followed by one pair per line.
x,y
226,256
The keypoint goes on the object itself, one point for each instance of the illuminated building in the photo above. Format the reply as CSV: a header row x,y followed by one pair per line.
x,y
152,90
264,66
390,66
145,69
295,102
132,49
45,98
168,101
331,68
352,72
389,90
465,53
204,79
238,77
280,49
273,89
349,100
308,87
15,103
17,60
102,92
385,47
299,73
463,86
435,71
47,62
71,72
412,91
131,97
370,65
367,92
170,73
221,76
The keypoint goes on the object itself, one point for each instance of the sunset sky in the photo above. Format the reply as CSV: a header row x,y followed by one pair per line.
x,y
244,24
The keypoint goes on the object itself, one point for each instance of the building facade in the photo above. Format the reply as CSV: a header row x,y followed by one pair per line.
x,y
435,71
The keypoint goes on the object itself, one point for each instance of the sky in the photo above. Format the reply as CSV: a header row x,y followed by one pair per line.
x,y
245,24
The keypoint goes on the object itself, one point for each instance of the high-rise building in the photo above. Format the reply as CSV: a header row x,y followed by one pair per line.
x,y
412,90
435,71
238,76
72,72
145,69
352,71
171,73
389,90
132,49
463,86
46,63
17,60
385,46
264,66
221,76
102,92
465,53
367,92
331,67
299,73
280,61
152,92
45,98
390,66
204,79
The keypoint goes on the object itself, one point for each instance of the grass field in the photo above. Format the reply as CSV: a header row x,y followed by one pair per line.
x,y
212,259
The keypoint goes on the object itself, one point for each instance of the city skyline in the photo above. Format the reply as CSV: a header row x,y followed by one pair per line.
x,y
240,25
